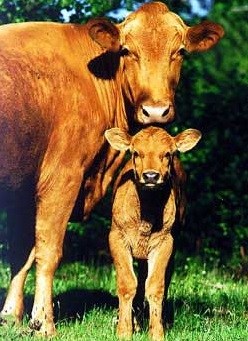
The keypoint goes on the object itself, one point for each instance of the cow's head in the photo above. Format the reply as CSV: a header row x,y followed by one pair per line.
x,y
151,43
152,151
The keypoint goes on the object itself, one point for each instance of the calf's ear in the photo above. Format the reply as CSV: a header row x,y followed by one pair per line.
x,y
187,140
105,34
203,36
118,139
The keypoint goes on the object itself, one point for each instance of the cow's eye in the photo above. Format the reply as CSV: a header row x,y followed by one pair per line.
x,y
135,154
125,52
178,54
168,155
182,52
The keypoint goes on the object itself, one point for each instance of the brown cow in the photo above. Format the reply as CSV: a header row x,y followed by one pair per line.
x,y
62,86
148,201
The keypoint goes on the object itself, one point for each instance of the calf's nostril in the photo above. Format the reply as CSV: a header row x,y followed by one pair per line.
x,y
150,177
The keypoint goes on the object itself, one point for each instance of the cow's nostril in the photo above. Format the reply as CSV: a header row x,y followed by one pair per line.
x,y
146,113
166,112
155,113
151,177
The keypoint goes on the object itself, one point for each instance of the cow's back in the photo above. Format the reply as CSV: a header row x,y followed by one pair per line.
x,y
24,124
48,93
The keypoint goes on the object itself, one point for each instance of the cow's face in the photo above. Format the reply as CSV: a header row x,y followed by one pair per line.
x,y
152,47
152,151
151,43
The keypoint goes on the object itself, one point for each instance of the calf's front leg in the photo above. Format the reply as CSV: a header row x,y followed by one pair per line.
x,y
126,283
154,288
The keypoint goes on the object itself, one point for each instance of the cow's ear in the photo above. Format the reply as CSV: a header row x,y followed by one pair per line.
x,y
105,34
203,36
118,139
187,139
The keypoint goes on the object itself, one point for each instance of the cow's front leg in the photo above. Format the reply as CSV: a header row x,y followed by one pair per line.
x,y
53,212
157,264
126,283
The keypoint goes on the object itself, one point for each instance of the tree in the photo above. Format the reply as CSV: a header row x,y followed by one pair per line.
x,y
213,97
68,10
54,10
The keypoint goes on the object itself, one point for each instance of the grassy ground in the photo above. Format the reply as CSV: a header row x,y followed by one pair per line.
x,y
204,304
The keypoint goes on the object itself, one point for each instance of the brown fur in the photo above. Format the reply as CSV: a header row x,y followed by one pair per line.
x,y
62,86
144,213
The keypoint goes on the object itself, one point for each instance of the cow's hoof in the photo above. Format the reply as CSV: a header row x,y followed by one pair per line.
x,y
3,321
41,329
7,320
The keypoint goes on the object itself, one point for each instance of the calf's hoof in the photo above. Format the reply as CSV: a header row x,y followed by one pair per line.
x,y
123,334
157,334
157,337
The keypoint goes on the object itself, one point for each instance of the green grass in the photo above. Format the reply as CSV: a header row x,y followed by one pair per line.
x,y
208,304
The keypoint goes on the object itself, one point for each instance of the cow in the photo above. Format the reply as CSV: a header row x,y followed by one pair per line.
x,y
148,202
62,86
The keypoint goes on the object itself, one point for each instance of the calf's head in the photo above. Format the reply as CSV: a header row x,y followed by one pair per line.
x,y
151,43
152,151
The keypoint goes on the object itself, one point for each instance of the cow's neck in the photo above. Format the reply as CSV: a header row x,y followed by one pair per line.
x,y
105,73
130,114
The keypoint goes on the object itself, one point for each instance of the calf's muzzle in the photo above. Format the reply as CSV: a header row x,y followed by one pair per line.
x,y
150,178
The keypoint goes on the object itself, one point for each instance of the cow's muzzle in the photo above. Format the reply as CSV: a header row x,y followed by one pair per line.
x,y
156,114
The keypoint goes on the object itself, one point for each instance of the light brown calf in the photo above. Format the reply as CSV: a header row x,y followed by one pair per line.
x,y
148,201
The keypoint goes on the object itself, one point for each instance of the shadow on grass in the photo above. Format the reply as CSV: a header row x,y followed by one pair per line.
x,y
2,297
72,303
75,303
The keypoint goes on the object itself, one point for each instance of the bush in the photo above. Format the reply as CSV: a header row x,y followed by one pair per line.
x,y
213,98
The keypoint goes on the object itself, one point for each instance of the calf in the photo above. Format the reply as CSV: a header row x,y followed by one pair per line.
x,y
148,201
